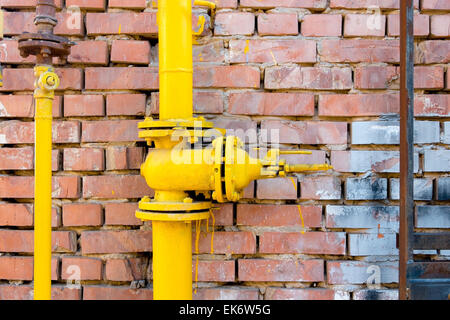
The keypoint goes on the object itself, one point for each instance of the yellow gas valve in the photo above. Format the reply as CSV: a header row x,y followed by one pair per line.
x,y
179,171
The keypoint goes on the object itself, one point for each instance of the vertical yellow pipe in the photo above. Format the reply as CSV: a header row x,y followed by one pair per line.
x,y
46,82
172,260
175,59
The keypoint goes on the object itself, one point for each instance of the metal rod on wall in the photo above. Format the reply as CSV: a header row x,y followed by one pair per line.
x,y
406,143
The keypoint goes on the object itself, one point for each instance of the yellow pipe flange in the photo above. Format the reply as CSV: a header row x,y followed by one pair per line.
x,y
176,217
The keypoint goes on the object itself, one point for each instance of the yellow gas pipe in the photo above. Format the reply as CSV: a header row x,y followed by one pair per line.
x,y
46,82
187,179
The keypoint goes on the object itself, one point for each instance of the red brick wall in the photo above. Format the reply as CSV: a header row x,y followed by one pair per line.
x,y
325,73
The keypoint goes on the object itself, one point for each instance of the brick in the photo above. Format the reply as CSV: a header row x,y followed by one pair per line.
x,y
376,77
16,214
129,4
372,244
277,24
435,5
130,51
226,293
432,105
365,161
440,26
17,22
272,51
204,102
25,292
64,187
320,188
388,132
423,189
270,215
443,188
319,25
110,130
225,243
265,4
362,217
223,216
111,241
446,139
21,241
20,4
277,189
116,293
121,214
82,214
214,271
358,272
90,53
382,294
371,4
433,51
353,105
131,269
238,76
10,54
437,160
89,105
432,217
364,25
87,4
16,268
307,132
366,189
234,23
311,78
121,78
243,128
23,79
126,104
271,104
429,77
362,50
16,158
16,106
131,23
421,25
280,270
332,243
305,294
115,187
123,158
212,51
81,268
84,159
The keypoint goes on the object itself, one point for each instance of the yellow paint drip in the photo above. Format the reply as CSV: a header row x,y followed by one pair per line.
x,y
120,28
212,233
197,238
299,208
247,46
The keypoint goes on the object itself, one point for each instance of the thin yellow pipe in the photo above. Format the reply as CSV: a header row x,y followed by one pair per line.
x,y
46,82
172,260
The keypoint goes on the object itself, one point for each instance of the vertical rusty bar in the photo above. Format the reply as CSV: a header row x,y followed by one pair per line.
x,y
406,143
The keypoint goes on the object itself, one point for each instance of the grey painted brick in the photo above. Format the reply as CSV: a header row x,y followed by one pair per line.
x,y
369,161
433,217
445,252
378,294
366,189
388,132
443,188
425,252
423,189
362,217
446,133
437,160
359,272
372,244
